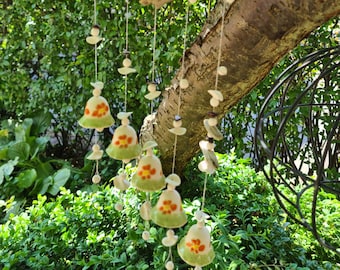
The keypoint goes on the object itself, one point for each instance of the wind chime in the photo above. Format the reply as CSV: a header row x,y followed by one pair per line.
x,y
168,211
149,176
124,145
195,248
97,113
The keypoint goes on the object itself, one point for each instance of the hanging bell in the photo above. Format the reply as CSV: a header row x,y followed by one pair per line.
x,y
168,211
195,248
124,145
97,111
149,175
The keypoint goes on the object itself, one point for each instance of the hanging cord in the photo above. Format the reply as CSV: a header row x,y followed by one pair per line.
x,y
174,155
180,89
185,35
95,45
220,46
170,257
126,50
216,84
153,53
204,191
127,26
154,45
95,67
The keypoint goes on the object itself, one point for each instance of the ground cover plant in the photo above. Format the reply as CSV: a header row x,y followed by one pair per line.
x,y
25,170
83,230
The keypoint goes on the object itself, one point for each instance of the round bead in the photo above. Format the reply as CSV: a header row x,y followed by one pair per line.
x,y
96,92
95,30
170,233
125,121
214,102
183,83
126,62
146,235
177,123
119,207
169,265
96,179
222,70
152,87
95,147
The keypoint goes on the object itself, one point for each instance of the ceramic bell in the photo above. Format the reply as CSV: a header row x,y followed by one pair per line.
x,y
195,248
124,145
97,111
149,176
168,211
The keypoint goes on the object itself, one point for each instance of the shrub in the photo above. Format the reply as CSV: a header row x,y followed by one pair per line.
x,y
84,231
24,169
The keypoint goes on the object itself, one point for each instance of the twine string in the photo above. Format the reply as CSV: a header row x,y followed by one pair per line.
x,y
220,45
180,89
126,51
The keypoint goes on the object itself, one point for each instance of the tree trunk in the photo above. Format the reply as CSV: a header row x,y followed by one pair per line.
x,y
257,33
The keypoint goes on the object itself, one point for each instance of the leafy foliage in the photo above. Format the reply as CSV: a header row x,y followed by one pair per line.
x,y
24,171
47,64
84,231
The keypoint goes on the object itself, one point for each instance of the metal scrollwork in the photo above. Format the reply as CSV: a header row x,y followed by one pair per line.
x,y
298,143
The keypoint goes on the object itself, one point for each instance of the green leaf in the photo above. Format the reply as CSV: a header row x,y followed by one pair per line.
x,y
41,121
19,150
26,178
3,153
7,168
22,131
59,180
38,145
44,170
45,184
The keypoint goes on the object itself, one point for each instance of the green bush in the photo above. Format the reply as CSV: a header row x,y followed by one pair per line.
x,y
25,171
84,231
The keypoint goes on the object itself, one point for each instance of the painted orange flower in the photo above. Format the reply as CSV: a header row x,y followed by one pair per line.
x,y
123,141
101,110
168,207
146,172
195,246
87,111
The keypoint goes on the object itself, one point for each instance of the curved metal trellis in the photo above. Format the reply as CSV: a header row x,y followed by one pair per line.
x,y
298,143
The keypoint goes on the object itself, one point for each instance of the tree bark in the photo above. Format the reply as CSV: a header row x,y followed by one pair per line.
x,y
257,33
